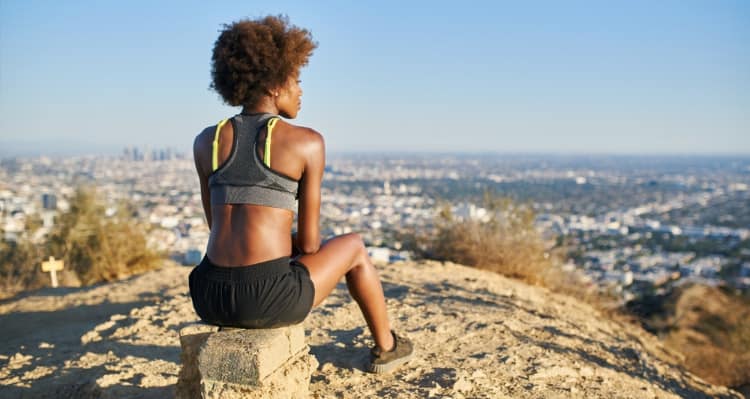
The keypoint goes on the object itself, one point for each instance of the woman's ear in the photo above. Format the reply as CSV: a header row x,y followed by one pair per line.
x,y
272,92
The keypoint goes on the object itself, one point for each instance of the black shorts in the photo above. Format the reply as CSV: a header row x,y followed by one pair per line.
x,y
269,294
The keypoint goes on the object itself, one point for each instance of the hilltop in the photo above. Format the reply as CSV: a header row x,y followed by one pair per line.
x,y
478,335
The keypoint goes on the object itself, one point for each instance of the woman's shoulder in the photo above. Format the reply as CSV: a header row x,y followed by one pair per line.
x,y
204,138
300,134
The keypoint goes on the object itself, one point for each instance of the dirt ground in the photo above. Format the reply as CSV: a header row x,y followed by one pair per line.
x,y
477,335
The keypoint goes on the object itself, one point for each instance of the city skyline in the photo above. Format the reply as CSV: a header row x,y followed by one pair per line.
x,y
626,223
671,78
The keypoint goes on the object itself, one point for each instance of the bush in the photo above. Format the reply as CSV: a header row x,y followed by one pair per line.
x,y
507,242
20,267
710,328
101,248
93,246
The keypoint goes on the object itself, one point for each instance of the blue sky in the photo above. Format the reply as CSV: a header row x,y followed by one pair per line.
x,y
635,77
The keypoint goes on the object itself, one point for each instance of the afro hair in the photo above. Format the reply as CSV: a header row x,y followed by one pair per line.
x,y
252,57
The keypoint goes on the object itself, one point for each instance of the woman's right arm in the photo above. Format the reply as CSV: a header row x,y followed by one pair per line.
x,y
200,155
308,219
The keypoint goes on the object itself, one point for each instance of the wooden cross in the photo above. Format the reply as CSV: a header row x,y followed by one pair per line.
x,y
52,266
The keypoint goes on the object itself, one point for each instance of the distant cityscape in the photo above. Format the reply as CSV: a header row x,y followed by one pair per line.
x,y
631,225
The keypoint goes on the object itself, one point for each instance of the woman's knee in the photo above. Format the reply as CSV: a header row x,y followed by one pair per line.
x,y
354,242
350,247
361,259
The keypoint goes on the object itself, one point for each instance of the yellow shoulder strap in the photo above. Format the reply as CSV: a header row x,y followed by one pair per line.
x,y
267,151
215,157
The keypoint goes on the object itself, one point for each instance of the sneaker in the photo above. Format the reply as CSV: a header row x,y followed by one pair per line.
x,y
384,362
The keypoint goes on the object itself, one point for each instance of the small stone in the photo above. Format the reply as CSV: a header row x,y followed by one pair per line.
x,y
461,385
104,326
434,390
586,371
91,336
478,374
46,345
19,360
354,380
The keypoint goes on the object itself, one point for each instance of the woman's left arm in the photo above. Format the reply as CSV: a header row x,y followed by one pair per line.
x,y
308,219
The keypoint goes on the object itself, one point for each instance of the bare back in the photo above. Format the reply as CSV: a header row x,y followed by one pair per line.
x,y
244,234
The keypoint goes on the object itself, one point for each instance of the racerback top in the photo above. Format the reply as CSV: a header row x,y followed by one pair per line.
x,y
244,178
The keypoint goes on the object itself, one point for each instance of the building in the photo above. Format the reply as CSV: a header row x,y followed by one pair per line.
x,y
49,201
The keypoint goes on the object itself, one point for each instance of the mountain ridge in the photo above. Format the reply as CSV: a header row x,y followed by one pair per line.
x,y
477,335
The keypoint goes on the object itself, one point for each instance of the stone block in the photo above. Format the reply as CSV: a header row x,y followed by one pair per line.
x,y
192,337
270,363
291,381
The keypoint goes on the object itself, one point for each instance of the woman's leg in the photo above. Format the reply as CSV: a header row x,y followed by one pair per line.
x,y
346,255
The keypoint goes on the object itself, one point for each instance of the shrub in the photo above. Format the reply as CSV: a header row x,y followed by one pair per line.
x,y
507,242
101,248
710,328
20,267
93,246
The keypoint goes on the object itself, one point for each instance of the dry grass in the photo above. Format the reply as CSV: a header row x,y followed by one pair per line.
x,y
101,248
508,243
95,248
711,328
20,268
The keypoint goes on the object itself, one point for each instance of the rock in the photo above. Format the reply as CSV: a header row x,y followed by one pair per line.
x,y
290,381
118,317
90,336
19,360
192,338
240,363
478,374
586,371
461,385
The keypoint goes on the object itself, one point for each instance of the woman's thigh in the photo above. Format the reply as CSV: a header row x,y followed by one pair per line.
x,y
332,261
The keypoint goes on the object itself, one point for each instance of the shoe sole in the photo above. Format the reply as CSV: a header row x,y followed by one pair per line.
x,y
390,366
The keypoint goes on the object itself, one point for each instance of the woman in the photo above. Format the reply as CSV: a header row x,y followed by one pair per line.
x,y
252,168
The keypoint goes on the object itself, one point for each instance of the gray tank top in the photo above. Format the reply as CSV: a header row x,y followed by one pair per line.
x,y
244,178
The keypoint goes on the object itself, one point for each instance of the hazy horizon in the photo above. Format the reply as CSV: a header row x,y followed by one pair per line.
x,y
9,150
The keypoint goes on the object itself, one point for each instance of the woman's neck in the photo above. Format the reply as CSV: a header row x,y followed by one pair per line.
x,y
264,106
